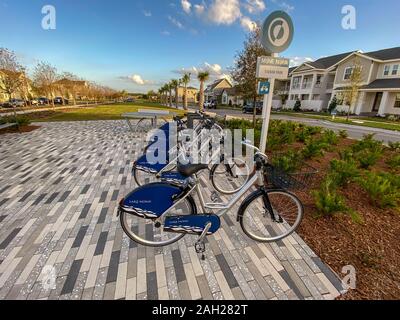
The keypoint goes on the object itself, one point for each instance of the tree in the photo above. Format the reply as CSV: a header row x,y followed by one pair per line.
x,y
175,85
12,73
202,77
170,88
70,85
185,81
245,66
351,93
45,77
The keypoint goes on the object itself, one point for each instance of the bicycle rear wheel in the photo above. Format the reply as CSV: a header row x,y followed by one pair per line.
x,y
262,225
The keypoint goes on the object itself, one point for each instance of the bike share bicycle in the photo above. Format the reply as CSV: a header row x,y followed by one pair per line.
x,y
230,173
161,213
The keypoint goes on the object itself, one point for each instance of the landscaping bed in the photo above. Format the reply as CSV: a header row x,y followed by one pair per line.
x,y
352,210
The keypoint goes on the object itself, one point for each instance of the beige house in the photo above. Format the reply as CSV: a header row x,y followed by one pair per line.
x,y
215,90
380,85
192,94
312,83
316,83
230,97
24,93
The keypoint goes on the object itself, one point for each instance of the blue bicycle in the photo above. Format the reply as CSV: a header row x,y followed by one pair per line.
x,y
159,214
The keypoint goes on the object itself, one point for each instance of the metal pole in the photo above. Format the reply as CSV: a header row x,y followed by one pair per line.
x,y
266,116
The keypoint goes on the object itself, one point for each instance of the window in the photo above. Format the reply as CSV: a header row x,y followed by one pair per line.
x,y
395,70
296,83
347,73
318,82
386,70
315,97
397,102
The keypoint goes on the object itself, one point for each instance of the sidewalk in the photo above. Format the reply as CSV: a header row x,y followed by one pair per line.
x,y
59,190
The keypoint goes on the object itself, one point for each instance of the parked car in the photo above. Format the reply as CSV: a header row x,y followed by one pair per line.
x,y
60,100
210,105
34,102
129,100
17,103
43,101
249,107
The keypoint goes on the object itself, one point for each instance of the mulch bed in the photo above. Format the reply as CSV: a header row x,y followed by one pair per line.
x,y
372,247
24,129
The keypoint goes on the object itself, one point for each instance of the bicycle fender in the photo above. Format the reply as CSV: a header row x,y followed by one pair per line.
x,y
247,202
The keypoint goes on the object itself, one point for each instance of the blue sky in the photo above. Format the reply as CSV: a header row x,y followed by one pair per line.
x,y
138,44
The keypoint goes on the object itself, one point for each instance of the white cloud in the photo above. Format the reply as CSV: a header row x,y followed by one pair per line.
x,y
284,5
248,24
176,22
254,6
186,6
147,13
296,61
137,79
214,69
199,8
224,11
165,33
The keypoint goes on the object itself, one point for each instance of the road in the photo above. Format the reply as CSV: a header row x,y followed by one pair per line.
x,y
355,132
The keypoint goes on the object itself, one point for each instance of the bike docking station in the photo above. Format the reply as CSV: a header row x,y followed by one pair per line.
x,y
171,205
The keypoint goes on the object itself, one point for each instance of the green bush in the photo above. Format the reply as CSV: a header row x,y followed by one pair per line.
x,y
394,146
23,121
367,143
313,148
344,172
327,200
368,158
20,120
314,130
3,120
288,162
343,134
297,106
394,162
330,137
381,188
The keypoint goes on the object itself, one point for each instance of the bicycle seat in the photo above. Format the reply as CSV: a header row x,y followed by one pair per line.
x,y
187,170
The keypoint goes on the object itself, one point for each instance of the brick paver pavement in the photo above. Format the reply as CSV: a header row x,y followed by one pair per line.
x,y
59,191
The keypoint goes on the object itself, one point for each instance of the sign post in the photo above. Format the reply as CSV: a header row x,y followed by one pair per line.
x,y
277,35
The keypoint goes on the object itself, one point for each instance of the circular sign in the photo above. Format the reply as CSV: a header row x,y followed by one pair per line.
x,y
277,32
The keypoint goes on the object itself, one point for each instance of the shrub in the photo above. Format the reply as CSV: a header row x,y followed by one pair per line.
x,y
297,106
314,130
343,134
394,162
3,120
327,200
368,158
333,105
20,120
343,172
368,142
394,146
23,121
313,148
288,162
381,188
330,138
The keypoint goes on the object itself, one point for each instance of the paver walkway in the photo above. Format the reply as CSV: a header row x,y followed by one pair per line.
x,y
59,190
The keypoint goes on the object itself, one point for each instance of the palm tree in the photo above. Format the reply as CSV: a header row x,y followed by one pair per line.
x,y
185,81
170,88
202,77
175,85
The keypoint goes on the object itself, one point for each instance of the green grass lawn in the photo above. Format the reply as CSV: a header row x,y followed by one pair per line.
x,y
367,122
107,112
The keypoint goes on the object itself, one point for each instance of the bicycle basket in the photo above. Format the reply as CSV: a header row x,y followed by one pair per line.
x,y
301,178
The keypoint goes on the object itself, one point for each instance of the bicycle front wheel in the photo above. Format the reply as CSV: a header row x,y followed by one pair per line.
x,y
150,232
271,216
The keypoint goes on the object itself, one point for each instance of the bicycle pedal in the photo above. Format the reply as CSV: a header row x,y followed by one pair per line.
x,y
200,247
215,197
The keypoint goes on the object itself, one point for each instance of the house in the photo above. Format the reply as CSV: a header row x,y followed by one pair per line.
x,y
379,93
71,88
214,91
312,83
25,90
231,97
316,83
192,94
281,91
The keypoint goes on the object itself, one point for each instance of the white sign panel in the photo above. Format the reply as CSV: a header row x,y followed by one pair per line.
x,y
272,68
